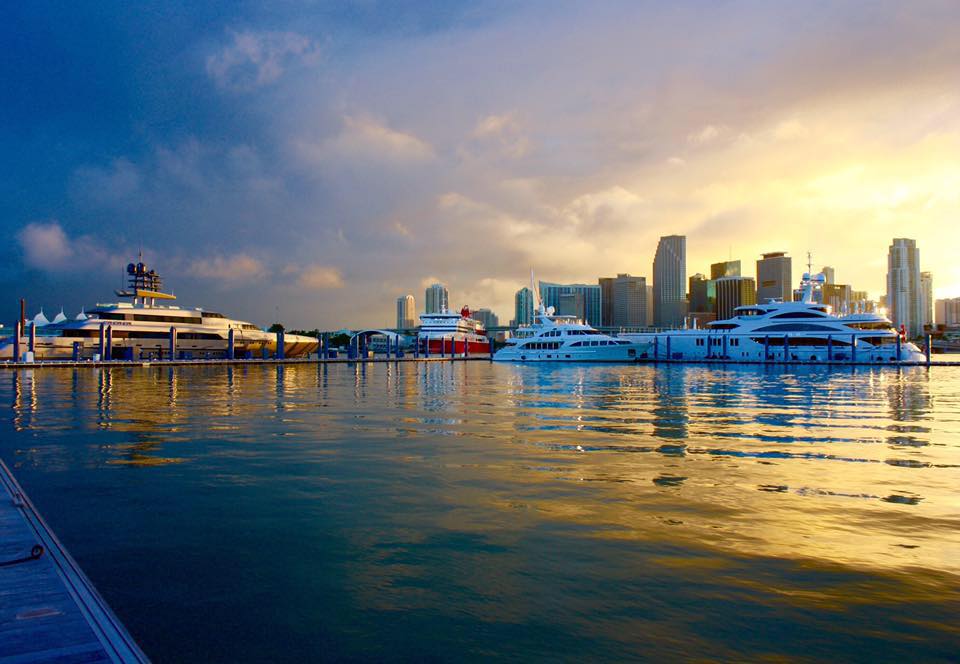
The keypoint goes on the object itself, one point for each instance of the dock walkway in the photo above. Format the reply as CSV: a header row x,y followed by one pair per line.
x,y
49,610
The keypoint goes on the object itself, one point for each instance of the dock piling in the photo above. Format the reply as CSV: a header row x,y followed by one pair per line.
x,y
927,348
172,340
16,341
109,347
230,344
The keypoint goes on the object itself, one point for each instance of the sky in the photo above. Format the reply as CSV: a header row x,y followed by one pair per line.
x,y
310,162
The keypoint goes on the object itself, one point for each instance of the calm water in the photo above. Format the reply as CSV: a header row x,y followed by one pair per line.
x,y
463,511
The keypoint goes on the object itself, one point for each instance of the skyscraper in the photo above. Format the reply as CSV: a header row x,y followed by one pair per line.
x,y
486,316
829,274
903,286
926,299
702,294
523,307
733,292
725,269
606,301
670,281
581,300
629,301
406,310
775,277
437,299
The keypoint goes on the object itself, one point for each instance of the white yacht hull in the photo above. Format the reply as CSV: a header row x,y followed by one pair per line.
x,y
700,345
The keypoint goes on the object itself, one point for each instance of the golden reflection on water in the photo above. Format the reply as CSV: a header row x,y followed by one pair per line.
x,y
853,467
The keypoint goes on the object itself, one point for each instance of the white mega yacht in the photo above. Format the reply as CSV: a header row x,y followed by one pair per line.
x,y
140,329
804,331
553,338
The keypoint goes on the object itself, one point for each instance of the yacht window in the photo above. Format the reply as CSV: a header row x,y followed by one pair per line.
x,y
723,326
798,327
800,314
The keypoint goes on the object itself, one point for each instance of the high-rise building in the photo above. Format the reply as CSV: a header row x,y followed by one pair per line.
x,y
582,300
725,269
606,301
903,286
860,302
948,312
829,274
649,305
702,294
406,312
733,292
486,316
629,301
523,307
437,299
926,299
775,277
571,304
670,281
838,296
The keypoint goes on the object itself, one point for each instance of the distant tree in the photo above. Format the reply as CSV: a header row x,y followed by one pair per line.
x,y
340,340
307,333
276,327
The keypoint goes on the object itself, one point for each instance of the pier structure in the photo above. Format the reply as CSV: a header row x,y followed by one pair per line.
x,y
50,611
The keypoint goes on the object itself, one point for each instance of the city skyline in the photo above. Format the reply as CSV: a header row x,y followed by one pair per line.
x,y
309,166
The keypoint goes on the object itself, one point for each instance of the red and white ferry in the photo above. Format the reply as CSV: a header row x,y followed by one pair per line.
x,y
448,332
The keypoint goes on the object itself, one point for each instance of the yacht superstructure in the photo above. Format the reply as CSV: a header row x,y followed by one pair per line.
x,y
804,331
141,329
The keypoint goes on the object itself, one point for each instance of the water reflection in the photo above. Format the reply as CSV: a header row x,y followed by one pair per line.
x,y
488,485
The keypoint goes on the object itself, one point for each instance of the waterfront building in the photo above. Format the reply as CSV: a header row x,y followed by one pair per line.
x,y
522,307
702,294
606,301
903,286
860,302
926,300
581,300
629,301
406,312
829,274
487,317
437,299
670,281
774,277
948,312
837,296
725,269
649,305
733,292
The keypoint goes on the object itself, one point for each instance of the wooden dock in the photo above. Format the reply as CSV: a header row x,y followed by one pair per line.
x,y
49,610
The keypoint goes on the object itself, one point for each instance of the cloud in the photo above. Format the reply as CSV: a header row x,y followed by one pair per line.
x,y
45,245
117,183
255,59
318,277
236,268
363,138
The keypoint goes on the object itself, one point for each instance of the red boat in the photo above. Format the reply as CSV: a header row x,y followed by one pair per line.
x,y
446,333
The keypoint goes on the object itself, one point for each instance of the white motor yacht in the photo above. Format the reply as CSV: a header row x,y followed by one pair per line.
x,y
141,329
804,331
555,338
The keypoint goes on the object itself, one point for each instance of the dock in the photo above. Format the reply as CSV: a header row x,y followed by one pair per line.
x,y
49,610
115,364
71,364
